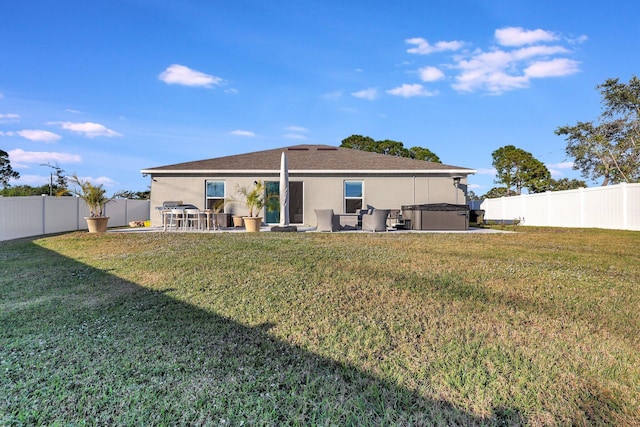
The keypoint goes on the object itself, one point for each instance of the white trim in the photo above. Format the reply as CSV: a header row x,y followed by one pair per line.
x,y
303,171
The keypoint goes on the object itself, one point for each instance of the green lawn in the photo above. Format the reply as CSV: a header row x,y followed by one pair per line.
x,y
540,327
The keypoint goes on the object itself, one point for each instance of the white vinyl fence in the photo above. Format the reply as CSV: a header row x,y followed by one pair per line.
x,y
37,215
612,207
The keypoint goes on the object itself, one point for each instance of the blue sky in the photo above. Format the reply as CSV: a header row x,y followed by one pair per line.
x,y
106,88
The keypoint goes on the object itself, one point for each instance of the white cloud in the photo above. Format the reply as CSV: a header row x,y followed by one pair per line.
x,y
102,180
423,47
557,169
370,94
22,158
299,129
181,75
243,133
72,111
7,118
88,129
430,74
409,91
517,36
34,135
578,40
39,135
34,180
295,136
332,95
518,56
536,51
554,68
487,171
561,165
499,71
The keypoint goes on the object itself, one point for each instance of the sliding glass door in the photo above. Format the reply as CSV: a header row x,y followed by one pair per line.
x,y
296,214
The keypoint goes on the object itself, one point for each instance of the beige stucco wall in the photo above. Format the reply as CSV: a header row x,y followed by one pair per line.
x,y
320,192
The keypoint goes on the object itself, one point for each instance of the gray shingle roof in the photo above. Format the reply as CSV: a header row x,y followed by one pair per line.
x,y
309,158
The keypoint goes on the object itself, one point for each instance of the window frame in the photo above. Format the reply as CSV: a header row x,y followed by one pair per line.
x,y
207,198
347,198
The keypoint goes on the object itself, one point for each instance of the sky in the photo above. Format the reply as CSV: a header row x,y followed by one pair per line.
x,y
106,88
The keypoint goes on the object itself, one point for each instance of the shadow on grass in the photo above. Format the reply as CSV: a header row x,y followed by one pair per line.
x,y
80,345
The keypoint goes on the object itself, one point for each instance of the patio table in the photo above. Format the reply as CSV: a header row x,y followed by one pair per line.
x,y
349,221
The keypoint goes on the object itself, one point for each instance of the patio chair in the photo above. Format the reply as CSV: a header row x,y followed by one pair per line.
x,y
376,220
192,219
327,221
173,219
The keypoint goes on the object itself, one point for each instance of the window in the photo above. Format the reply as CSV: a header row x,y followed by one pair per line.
x,y
353,196
215,195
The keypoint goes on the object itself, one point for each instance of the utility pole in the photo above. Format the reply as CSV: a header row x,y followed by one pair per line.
x,y
50,176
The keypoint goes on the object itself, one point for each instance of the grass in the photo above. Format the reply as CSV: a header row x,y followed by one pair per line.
x,y
535,328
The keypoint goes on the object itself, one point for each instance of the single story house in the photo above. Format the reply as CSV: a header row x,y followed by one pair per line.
x,y
320,177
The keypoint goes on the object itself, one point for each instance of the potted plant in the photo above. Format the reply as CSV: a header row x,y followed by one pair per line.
x,y
216,209
95,198
253,198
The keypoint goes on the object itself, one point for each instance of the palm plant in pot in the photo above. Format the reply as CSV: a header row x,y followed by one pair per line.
x,y
253,198
95,197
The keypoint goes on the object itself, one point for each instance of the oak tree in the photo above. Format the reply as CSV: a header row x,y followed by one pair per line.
x,y
389,147
609,148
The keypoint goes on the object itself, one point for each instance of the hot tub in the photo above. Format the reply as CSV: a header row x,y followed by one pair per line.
x,y
436,216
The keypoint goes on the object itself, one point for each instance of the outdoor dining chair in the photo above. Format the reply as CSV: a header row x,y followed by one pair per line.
x,y
173,219
376,220
192,219
327,221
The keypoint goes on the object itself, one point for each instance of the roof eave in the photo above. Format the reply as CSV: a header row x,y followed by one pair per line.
x,y
304,171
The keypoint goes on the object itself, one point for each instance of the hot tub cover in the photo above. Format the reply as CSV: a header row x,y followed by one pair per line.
x,y
440,207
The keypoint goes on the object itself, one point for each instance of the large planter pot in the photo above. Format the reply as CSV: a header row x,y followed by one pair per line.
x,y
237,221
252,223
97,224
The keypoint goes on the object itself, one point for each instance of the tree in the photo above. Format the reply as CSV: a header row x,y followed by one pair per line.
x,y
359,142
495,193
389,147
518,168
566,184
420,153
471,195
133,195
61,179
609,149
6,171
24,190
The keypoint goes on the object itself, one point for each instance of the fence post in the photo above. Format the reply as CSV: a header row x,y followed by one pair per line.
x,y
625,206
549,210
44,214
581,207
77,213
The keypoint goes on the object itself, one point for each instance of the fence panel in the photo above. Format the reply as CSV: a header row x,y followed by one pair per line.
x,y
37,215
21,216
633,212
613,207
138,210
61,214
